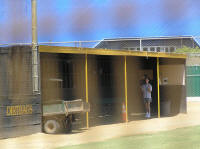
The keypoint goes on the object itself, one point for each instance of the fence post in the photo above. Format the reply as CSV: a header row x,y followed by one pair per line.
x,y
140,44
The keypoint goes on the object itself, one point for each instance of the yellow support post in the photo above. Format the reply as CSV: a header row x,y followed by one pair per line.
x,y
86,87
158,86
125,83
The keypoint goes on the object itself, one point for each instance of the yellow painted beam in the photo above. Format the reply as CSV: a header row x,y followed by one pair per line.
x,y
158,86
94,51
125,84
86,88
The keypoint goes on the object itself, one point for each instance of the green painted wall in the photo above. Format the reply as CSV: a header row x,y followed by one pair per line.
x,y
193,81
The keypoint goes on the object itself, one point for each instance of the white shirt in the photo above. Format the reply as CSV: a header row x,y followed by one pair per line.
x,y
146,93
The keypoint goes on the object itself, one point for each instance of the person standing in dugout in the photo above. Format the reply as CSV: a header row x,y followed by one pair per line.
x,y
146,90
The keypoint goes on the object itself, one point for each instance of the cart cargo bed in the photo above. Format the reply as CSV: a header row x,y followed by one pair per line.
x,y
66,107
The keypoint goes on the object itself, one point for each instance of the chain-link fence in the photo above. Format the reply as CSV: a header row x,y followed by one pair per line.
x,y
161,44
150,44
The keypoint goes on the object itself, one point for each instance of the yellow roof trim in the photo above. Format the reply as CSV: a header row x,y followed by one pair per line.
x,y
94,51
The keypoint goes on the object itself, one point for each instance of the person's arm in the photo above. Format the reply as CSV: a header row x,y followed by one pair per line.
x,y
149,88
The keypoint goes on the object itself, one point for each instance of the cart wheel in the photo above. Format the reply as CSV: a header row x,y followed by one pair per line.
x,y
51,126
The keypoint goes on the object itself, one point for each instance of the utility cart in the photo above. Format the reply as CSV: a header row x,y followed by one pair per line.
x,y
57,116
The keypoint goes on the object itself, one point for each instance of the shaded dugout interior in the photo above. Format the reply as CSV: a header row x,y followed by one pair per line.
x,y
64,73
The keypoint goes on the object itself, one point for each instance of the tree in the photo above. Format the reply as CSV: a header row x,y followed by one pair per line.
x,y
188,50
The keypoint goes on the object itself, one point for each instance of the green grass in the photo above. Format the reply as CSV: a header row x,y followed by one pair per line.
x,y
183,138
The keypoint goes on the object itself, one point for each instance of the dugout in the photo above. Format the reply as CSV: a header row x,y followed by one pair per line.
x,y
109,78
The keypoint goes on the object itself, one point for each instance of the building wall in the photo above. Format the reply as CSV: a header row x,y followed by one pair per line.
x,y
172,75
20,109
193,60
62,77
134,77
172,84
51,79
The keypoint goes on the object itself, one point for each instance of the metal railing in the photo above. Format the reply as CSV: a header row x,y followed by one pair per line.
x,y
150,44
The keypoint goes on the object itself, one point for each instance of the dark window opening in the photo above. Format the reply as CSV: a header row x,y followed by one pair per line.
x,y
105,73
172,49
158,49
166,49
145,49
67,67
152,49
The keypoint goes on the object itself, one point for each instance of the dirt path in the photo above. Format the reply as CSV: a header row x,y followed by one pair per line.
x,y
100,133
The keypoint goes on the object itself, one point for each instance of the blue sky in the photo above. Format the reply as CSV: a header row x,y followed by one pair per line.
x,y
74,20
